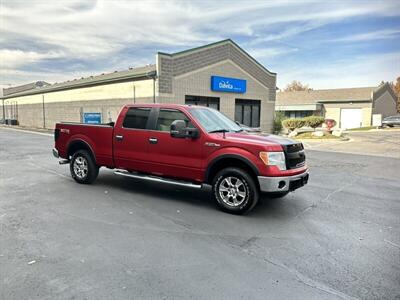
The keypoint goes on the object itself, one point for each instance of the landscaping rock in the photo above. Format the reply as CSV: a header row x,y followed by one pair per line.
x,y
292,134
318,133
337,133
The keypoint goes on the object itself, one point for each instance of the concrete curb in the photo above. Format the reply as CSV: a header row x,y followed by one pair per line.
x,y
27,130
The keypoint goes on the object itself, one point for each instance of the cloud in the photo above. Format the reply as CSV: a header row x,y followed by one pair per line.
x,y
10,58
361,70
369,36
45,36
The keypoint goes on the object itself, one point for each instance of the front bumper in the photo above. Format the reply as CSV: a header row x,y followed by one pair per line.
x,y
283,184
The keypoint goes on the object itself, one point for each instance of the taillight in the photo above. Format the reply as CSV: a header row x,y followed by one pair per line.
x,y
56,134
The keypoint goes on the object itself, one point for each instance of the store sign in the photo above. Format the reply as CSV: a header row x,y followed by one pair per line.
x,y
226,84
92,118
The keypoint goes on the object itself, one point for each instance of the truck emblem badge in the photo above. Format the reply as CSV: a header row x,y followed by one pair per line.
x,y
212,144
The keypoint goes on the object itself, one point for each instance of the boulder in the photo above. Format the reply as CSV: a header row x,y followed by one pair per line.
x,y
318,133
292,134
337,133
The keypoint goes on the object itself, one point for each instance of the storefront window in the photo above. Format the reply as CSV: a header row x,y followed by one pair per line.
x,y
247,112
298,114
212,102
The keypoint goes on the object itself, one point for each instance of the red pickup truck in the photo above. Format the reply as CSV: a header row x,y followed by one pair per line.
x,y
187,146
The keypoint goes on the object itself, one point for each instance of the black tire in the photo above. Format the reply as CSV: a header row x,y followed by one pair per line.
x,y
236,203
276,195
83,158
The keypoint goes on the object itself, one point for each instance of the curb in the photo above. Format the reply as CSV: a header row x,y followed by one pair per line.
x,y
28,130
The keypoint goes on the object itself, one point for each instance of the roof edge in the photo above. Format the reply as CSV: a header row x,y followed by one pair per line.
x,y
218,43
50,89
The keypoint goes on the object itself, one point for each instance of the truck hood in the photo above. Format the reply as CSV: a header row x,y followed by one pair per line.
x,y
260,139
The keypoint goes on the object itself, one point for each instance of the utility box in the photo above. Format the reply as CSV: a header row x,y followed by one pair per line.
x,y
377,120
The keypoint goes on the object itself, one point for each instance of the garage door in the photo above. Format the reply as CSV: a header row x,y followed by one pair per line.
x,y
350,118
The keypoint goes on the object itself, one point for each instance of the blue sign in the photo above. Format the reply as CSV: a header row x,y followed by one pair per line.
x,y
92,118
226,84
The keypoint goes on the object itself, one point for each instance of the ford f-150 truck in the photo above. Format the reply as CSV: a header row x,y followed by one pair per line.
x,y
187,146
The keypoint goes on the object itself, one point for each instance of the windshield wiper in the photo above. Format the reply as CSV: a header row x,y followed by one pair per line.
x,y
218,130
239,130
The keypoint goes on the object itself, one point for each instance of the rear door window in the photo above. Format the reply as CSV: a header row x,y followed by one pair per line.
x,y
137,118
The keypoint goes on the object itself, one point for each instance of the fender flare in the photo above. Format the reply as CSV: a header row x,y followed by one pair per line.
x,y
78,140
230,156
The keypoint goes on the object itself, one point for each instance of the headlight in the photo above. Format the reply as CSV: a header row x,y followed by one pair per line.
x,y
274,159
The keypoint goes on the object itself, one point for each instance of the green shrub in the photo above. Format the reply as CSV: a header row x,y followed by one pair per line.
x,y
314,121
292,124
279,117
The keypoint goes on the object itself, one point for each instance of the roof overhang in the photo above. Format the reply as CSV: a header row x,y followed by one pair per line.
x,y
299,107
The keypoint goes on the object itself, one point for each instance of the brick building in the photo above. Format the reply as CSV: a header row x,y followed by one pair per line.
x,y
220,75
349,107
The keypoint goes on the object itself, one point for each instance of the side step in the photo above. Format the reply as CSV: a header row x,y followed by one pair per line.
x,y
158,179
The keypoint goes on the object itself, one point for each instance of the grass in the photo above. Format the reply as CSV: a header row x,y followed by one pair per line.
x,y
308,135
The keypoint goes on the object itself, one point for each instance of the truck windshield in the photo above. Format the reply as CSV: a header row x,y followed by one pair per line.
x,y
213,121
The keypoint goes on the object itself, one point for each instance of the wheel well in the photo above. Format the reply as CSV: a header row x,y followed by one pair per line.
x,y
231,162
79,145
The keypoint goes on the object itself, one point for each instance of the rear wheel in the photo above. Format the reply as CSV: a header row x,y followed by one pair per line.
x,y
83,168
235,191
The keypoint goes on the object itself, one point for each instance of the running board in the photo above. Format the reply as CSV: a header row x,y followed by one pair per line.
x,y
158,179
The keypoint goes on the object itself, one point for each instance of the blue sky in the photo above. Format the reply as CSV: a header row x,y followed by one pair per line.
x,y
326,44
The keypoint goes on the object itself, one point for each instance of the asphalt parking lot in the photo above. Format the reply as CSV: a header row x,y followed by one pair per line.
x,y
337,238
384,143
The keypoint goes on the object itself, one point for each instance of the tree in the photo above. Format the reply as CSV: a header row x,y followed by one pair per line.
x,y
296,86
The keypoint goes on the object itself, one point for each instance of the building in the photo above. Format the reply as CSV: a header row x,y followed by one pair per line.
x,y
350,107
220,75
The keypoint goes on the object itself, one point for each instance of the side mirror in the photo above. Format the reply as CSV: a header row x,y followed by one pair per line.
x,y
178,129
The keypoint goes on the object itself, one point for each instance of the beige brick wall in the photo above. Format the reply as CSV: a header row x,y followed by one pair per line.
x,y
198,83
333,110
31,115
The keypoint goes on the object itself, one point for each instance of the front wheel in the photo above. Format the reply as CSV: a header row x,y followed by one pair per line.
x,y
235,191
83,168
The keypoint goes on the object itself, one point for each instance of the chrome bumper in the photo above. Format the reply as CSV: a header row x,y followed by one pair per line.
x,y
55,153
283,184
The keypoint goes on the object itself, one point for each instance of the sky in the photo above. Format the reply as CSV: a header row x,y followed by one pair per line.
x,y
325,44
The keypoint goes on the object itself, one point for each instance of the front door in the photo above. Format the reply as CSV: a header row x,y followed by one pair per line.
x,y
174,157
131,140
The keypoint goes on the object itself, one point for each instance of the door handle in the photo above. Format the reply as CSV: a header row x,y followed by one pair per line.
x,y
119,137
153,140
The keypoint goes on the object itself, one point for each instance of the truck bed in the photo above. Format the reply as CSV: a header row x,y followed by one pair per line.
x,y
99,137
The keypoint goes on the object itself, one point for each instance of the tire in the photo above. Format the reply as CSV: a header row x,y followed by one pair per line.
x,y
276,195
83,168
235,191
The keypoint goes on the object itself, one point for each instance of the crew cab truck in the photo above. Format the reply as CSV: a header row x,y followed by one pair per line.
x,y
186,146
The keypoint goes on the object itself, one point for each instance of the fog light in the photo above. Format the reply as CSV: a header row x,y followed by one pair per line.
x,y
281,184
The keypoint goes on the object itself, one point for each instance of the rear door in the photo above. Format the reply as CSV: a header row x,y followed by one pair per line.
x,y
171,156
131,139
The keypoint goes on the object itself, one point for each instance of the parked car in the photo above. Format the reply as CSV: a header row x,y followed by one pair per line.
x,y
187,146
391,121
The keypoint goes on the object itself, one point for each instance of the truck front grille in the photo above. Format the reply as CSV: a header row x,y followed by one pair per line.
x,y
295,156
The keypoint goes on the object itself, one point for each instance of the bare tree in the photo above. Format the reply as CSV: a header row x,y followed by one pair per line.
x,y
296,86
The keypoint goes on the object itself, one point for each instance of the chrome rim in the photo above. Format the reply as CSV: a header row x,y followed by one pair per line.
x,y
80,167
232,191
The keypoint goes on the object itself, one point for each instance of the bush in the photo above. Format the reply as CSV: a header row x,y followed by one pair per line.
x,y
314,121
279,117
293,124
